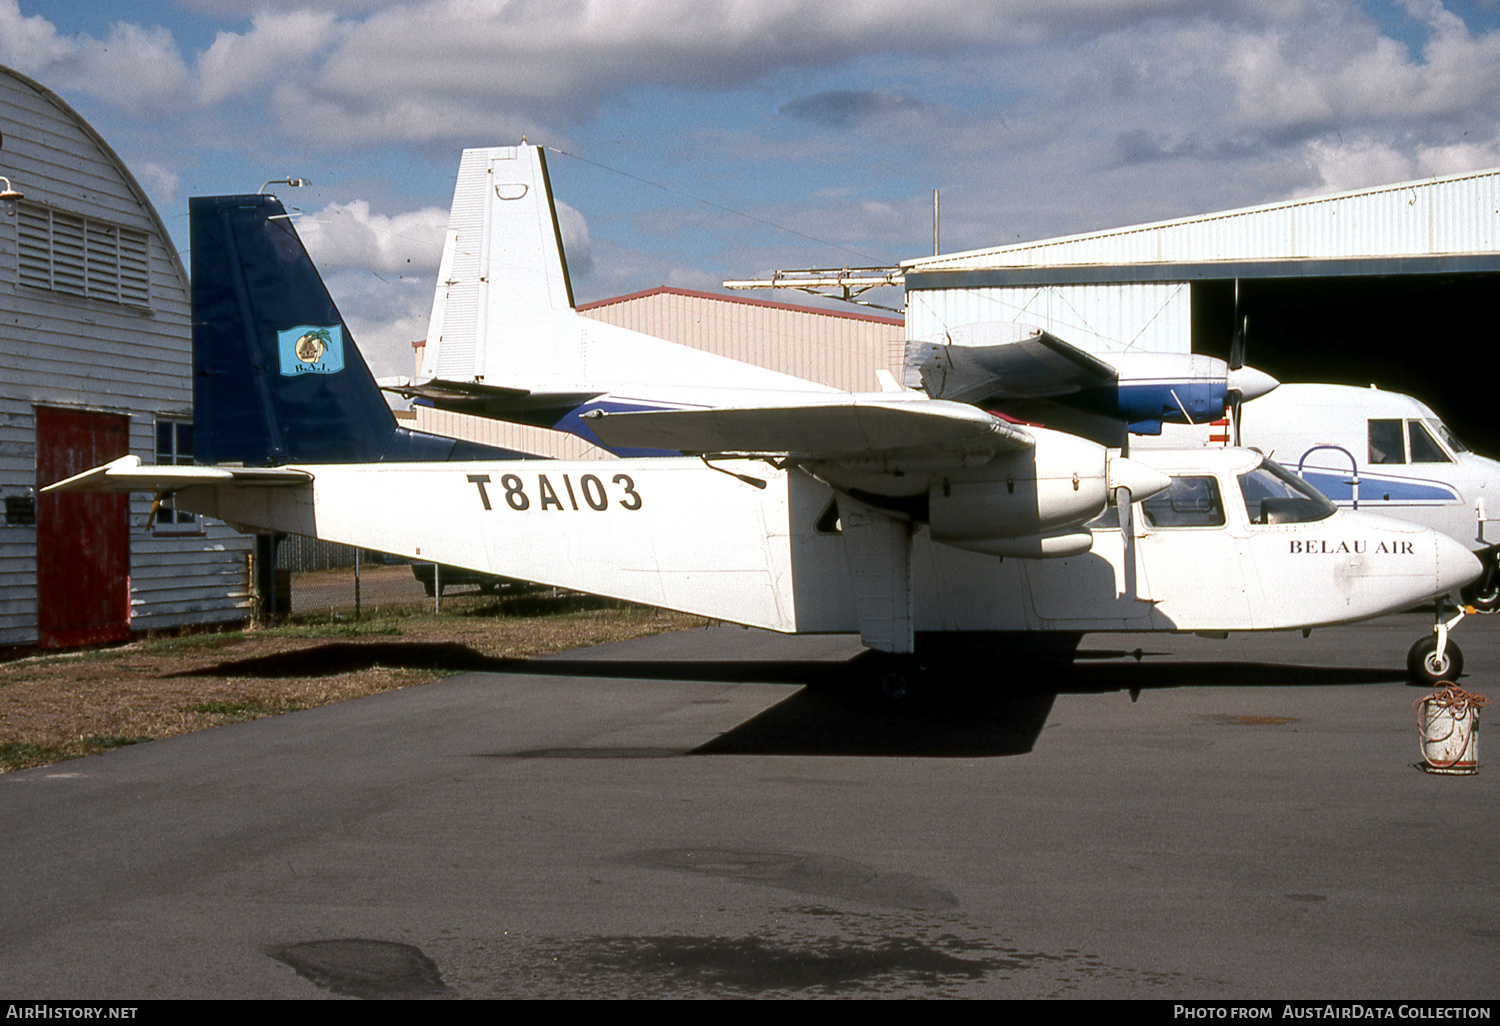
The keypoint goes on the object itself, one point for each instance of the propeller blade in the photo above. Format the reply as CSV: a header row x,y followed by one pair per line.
x,y
1241,328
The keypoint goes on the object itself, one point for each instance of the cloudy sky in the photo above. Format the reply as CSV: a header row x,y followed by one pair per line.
x,y
711,139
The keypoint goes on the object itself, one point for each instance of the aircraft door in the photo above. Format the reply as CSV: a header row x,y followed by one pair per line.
x,y
1190,562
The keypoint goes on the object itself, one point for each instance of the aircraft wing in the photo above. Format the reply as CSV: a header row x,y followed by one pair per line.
x,y
1003,361
848,427
128,474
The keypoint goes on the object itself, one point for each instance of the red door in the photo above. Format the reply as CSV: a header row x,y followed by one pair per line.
x,y
82,540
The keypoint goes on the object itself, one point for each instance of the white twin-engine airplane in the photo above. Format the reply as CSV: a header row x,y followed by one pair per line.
x,y
887,514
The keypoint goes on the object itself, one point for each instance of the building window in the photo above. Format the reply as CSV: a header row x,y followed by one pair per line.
x,y
174,446
79,256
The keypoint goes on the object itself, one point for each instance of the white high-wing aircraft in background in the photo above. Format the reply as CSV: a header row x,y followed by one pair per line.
x,y
1389,453
886,514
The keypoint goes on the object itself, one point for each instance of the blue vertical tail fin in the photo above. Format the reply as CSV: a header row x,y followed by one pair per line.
x,y
277,377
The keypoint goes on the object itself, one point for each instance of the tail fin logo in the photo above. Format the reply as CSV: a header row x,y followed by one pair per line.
x,y
311,349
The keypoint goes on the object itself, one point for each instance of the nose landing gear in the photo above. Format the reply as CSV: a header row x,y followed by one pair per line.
x,y
1436,657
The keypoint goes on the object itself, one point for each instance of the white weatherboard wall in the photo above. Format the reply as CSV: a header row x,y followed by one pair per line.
x,y
123,347
1458,215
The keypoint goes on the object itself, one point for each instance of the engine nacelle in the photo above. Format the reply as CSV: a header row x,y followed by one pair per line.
x,y
1060,483
1031,504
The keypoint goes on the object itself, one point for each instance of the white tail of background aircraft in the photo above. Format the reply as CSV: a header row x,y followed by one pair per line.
x,y
504,340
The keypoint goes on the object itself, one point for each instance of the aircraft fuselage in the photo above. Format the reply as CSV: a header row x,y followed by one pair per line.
x,y
673,533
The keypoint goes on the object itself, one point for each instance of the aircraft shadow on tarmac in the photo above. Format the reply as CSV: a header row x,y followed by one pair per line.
x,y
974,710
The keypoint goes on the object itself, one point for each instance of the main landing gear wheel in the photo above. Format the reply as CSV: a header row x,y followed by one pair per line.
x,y
1427,667
899,677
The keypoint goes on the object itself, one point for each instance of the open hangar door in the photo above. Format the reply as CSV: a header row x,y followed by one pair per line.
x,y
1432,336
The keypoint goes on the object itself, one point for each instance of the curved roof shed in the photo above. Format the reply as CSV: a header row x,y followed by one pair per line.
x,y
95,360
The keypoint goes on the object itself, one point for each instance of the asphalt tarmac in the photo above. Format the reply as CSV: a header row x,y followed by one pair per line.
x,y
680,817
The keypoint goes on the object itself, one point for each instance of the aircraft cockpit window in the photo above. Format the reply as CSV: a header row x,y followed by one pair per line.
x,y
1274,495
1448,437
1189,502
1424,448
1387,442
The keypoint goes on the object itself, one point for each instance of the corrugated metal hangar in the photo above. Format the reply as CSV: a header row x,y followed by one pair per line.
x,y
1391,285
95,362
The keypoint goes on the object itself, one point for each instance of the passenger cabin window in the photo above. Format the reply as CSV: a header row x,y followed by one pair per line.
x,y
1274,495
1189,502
1387,442
1424,448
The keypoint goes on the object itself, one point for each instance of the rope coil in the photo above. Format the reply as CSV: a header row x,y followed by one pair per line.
x,y
1455,698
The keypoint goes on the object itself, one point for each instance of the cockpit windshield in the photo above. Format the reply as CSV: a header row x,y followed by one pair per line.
x,y
1274,495
1448,437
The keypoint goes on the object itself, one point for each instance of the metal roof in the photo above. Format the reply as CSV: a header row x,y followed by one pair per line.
x,y
1438,225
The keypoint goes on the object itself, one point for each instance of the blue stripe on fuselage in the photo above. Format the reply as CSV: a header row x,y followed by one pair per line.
x,y
1336,486
575,425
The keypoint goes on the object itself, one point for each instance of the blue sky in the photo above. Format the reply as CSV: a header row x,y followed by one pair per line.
x,y
710,140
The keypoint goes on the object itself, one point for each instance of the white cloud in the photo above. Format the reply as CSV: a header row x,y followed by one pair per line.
x,y
381,271
385,315
157,180
277,47
351,235
1035,119
137,69
29,44
577,243
422,70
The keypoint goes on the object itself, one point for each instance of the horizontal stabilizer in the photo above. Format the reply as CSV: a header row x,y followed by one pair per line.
x,y
127,474
496,402
821,428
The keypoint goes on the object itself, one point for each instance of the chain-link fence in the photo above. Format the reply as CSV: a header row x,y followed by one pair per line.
x,y
315,578
372,584
299,554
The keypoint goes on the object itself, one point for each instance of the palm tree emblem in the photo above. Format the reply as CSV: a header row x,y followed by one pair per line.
x,y
310,347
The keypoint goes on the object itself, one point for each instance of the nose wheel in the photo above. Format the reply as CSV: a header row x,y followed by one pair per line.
x,y
1437,657
1428,666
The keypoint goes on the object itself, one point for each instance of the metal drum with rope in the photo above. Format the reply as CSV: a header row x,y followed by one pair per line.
x,y
1448,722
